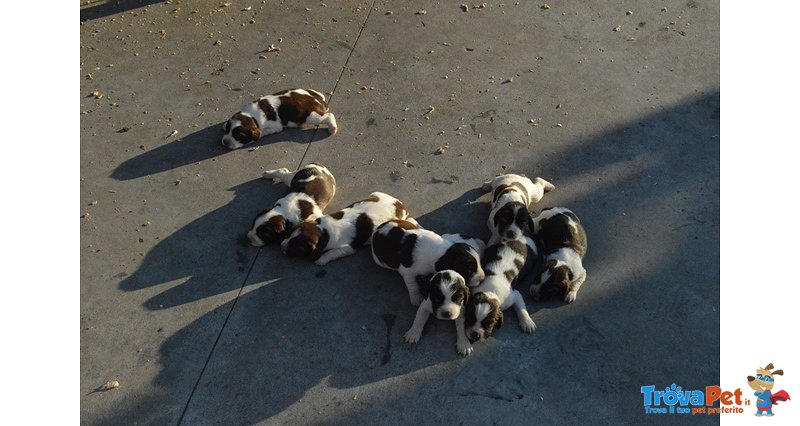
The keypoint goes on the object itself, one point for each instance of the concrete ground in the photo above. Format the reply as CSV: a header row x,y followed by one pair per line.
x,y
619,110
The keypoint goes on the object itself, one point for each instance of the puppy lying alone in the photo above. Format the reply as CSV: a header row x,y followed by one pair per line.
x,y
340,234
564,242
310,190
270,114
513,197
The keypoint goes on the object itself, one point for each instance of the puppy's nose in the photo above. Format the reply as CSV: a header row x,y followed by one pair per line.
x,y
445,314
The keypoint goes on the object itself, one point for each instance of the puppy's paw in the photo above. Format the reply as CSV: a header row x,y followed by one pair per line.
x,y
275,175
571,296
527,325
464,348
416,299
321,262
333,129
412,335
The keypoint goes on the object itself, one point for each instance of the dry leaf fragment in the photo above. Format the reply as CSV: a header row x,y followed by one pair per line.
x,y
465,8
111,384
422,12
273,48
430,110
86,216
618,28
97,95
93,203
225,4
247,8
545,6
442,149
173,133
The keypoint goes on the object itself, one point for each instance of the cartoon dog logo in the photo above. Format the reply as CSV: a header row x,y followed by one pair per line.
x,y
762,384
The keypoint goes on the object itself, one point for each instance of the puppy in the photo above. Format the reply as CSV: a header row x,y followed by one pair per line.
x,y
271,113
311,189
564,242
505,264
513,197
340,234
417,253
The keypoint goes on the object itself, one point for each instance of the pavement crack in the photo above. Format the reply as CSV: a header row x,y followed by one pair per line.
x,y
338,79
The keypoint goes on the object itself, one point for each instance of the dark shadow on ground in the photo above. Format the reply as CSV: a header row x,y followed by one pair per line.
x,y
206,252
647,315
200,146
101,9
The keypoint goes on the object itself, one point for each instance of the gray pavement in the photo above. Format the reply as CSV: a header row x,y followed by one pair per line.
x,y
620,111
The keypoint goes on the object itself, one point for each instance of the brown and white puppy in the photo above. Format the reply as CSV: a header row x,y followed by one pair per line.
x,y
270,114
437,271
311,189
417,253
513,197
340,234
564,241
505,264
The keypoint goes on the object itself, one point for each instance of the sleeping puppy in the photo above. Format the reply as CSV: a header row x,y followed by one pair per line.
x,y
341,233
271,113
417,253
513,197
310,190
564,242
505,264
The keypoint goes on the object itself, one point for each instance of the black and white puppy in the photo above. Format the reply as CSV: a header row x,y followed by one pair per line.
x,y
311,189
416,253
270,114
340,234
513,197
564,241
505,264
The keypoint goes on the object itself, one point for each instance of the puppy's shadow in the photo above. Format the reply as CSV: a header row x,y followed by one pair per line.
x,y
199,146
465,215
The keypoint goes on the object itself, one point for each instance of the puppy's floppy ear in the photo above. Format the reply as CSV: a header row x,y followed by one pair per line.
x,y
778,372
256,133
769,366
529,224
